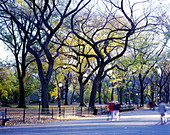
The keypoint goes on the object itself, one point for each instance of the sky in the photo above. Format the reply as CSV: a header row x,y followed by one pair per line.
x,y
3,52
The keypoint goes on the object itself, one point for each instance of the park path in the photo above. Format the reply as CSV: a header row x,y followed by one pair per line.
x,y
138,122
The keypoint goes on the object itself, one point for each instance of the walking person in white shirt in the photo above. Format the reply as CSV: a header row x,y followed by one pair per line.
x,y
163,112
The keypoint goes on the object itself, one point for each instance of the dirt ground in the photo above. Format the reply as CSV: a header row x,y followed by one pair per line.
x,y
17,116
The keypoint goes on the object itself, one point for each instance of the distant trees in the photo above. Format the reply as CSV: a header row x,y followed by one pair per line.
x,y
160,76
146,60
8,85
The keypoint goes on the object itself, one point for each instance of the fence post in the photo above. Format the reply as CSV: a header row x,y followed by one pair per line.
x,y
52,113
39,113
64,112
3,118
81,111
59,111
73,111
24,115
5,112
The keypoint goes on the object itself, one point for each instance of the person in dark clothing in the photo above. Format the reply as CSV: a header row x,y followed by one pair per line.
x,y
153,106
150,105
116,111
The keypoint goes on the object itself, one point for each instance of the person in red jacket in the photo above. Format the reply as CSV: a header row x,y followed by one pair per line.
x,y
111,110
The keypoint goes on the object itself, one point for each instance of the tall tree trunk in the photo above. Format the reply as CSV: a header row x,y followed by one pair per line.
x,y
134,91
141,90
21,76
134,97
22,93
44,76
112,93
45,104
95,87
66,91
167,94
142,95
152,92
82,95
44,79
121,95
99,91
129,95
160,92
118,92
72,95
81,90
152,96
105,96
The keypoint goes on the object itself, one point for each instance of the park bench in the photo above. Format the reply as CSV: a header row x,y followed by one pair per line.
x,y
126,108
103,110
123,108
4,118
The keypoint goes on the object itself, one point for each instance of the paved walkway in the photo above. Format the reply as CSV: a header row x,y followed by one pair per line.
x,y
139,122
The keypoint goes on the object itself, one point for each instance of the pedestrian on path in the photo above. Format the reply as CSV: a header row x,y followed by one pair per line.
x,y
163,112
153,105
150,105
116,110
110,110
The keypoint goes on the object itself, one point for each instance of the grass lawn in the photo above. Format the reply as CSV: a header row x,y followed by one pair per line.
x,y
32,105
36,105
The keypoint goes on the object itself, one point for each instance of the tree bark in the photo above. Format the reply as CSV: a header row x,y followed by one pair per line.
x,y
167,94
93,94
22,94
66,91
121,95
95,87
82,95
21,76
45,104
129,95
112,93
71,101
134,91
99,91
80,79
141,90
160,92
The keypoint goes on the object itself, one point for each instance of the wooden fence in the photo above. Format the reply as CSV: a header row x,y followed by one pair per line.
x,y
35,114
26,114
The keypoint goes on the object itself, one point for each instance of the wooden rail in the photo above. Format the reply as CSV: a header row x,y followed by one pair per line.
x,y
25,114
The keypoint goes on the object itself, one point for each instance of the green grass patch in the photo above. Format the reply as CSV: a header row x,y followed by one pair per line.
x,y
32,105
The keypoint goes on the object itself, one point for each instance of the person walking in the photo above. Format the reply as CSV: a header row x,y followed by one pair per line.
x,y
110,110
150,105
163,112
153,105
116,110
